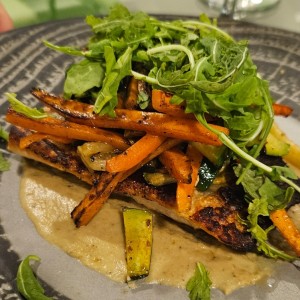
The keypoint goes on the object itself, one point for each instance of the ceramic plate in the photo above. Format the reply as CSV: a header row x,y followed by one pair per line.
x,y
26,63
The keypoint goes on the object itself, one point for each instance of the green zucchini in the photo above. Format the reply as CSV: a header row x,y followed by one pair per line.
x,y
215,154
95,154
276,147
158,178
207,174
138,241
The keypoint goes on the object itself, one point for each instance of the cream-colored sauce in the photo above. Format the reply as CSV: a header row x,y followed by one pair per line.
x,y
48,200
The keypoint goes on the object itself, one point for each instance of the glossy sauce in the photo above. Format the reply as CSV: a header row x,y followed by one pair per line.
x,y
48,199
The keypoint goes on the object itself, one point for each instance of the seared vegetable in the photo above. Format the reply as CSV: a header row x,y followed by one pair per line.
x,y
151,122
275,146
95,154
135,154
207,174
293,155
215,154
138,236
178,164
66,129
287,228
185,191
158,178
282,110
93,201
161,101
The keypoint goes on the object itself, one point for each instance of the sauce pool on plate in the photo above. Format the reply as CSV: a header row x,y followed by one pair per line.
x,y
49,198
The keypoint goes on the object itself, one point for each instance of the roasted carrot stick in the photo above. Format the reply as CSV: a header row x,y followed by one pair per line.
x,y
93,201
282,110
134,154
150,122
34,137
178,164
161,124
67,129
167,144
184,192
132,95
287,228
98,195
161,103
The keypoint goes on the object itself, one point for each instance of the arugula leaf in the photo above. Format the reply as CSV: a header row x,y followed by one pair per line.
x,y
3,134
251,182
267,196
270,191
21,108
66,49
143,100
82,77
199,284
227,141
259,207
279,171
4,163
27,283
107,96
258,185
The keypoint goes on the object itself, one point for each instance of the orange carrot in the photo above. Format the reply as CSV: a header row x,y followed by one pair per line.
x,y
168,144
178,164
282,110
185,191
132,95
156,124
161,103
35,137
66,129
84,212
151,122
287,228
134,154
93,201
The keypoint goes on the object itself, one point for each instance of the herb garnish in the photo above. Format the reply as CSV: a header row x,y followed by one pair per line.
x,y
20,107
3,134
27,283
199,284
4,163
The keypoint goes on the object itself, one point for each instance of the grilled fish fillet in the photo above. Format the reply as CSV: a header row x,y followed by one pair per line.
x,y
218,213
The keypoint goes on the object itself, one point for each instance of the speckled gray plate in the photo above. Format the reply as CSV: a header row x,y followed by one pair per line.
x,y
25,63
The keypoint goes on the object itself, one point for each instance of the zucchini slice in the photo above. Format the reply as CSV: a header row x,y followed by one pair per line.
x,y
138,241
158,179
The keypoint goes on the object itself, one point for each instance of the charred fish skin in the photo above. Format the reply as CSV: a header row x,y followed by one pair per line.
x,y
57,156
222,221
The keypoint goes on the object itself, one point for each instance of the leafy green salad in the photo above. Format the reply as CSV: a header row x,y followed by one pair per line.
x,y
204,68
